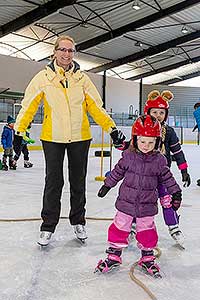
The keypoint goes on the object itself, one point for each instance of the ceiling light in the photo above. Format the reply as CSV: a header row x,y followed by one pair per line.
x,y
184,30
84,24
136,5
138,44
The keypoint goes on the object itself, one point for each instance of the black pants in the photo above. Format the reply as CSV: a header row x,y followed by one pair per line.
x,y
21,149
77,153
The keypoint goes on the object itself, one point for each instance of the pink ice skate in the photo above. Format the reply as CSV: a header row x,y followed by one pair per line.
x,y
107,265
148,265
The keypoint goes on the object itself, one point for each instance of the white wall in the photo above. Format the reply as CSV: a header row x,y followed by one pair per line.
x,y
98,81
15,73
120,93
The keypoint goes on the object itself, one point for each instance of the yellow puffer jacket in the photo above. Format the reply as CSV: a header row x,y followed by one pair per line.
x,y
67,97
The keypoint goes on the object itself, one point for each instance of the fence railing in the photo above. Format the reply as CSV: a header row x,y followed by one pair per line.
x,y
183,118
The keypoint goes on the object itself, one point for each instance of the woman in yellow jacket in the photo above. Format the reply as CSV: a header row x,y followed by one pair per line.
x,y
68,95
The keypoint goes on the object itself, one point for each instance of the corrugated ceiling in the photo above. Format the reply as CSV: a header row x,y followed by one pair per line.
x,y
111,36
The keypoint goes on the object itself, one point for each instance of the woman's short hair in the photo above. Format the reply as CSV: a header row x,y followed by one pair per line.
x,y
63,38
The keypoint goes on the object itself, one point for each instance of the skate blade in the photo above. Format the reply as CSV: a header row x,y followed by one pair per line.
x,y
42,245
157,275
97,271
180,246
82,241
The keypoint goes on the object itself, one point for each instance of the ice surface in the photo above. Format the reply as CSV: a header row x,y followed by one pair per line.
x,y
64,269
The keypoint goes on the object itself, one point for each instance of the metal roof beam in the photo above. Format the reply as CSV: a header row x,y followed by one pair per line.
x,y
165,69
175,80
134,25
148,52
32,16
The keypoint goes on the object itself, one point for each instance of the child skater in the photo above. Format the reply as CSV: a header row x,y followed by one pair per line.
x,y
7,143
142,168
157,106
23,148
196,114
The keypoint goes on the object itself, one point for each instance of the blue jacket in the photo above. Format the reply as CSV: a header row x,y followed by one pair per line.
x,y
7,137
196,114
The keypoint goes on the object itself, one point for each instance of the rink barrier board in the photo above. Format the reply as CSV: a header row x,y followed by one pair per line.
x,y
40,147
31,148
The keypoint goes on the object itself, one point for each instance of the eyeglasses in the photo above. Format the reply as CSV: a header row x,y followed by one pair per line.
x,y
69,50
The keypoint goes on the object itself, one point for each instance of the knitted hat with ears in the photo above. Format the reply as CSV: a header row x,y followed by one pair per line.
x,y
10,120
157,100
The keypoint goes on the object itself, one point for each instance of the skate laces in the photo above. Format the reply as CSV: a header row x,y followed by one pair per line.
x,y
80,228
174,230
115,258
148,263
46,235
147,258
110,262
114,251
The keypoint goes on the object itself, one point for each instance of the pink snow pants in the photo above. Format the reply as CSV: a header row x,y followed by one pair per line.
x,y
146,234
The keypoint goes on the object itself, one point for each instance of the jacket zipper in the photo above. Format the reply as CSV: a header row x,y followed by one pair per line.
x,y
67,99
139,192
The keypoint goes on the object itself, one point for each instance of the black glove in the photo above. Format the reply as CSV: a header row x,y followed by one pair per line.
x,y
17,142
103,191
125,145
176,200
185,178
118,137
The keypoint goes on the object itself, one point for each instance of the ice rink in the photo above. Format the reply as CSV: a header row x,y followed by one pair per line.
x,y
65,269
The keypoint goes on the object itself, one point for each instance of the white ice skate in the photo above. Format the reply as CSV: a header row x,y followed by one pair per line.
x,y
80,232
177,235
27,164
44,238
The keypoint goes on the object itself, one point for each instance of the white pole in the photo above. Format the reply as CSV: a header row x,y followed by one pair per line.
x,y
14,110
